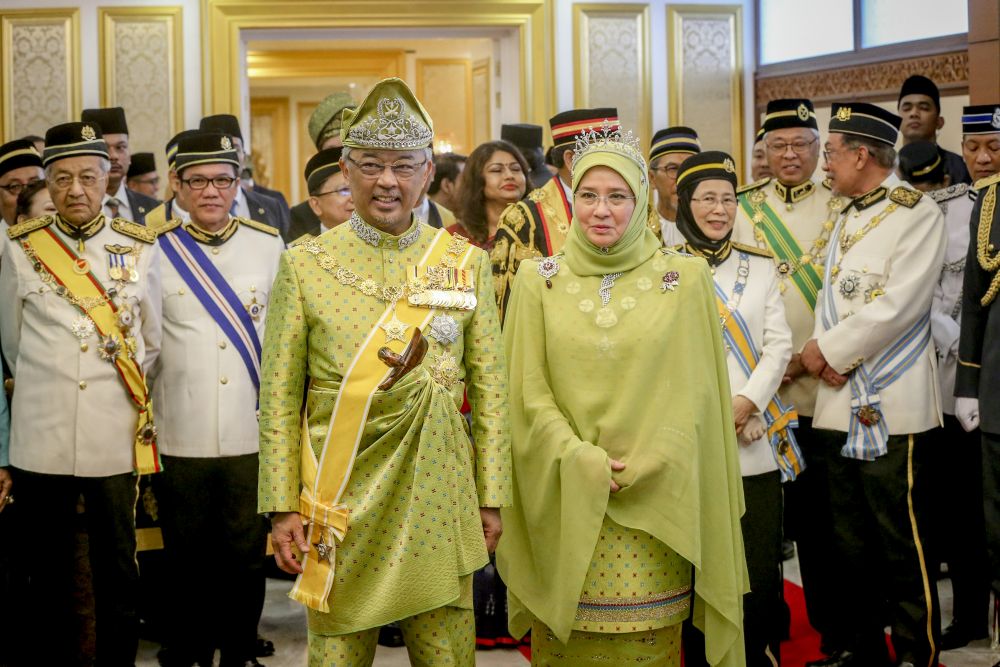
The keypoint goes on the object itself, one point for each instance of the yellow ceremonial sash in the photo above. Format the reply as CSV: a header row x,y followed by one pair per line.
x,y
324,481
64,266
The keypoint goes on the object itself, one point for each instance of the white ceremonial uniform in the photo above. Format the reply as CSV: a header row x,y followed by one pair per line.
x,y
956,202
893,268
71,414
199,371
762,309
669,233
805,219
124,208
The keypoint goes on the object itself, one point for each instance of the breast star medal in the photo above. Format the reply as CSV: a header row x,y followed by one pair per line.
x,y
110,347
444,329
869,415
394,329
324,551
849,286
445,370
82,327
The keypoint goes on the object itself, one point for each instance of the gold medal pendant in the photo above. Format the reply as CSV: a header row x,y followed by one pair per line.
x,y
81,267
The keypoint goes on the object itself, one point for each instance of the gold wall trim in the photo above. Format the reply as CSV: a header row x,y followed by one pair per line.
x,y
222,21
483,69
422,66
277,157
733,14
274,64
9,18
582,14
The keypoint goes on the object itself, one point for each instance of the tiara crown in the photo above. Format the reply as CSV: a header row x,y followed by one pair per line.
x,y
610,138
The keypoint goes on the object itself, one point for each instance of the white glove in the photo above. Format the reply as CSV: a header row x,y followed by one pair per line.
x,y
753,431
967,412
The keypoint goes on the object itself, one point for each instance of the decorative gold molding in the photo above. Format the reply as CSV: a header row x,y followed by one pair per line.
x,y
733,14
326,63
11,18
279,159
483,69
950,71
423,64
582,14
223,20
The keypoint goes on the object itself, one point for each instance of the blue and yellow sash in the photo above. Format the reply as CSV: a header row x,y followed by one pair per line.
x,y
216,295
779,418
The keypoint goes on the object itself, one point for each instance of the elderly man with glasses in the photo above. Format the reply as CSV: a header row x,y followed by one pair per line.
x,y
379,502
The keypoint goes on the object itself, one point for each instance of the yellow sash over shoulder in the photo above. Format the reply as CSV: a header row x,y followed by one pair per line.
x,y
324,480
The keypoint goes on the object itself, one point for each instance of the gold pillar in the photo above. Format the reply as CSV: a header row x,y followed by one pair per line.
x,y
984,51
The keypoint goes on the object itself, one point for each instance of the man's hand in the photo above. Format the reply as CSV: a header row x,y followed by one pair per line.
x,y
967,412
794,370
6,484
832,377
743,407
812,358
616,466
492,527
286,530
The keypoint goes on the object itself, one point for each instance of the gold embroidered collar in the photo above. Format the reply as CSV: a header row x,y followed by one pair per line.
x,y
82,232
714,257
212,238
795,194
869,199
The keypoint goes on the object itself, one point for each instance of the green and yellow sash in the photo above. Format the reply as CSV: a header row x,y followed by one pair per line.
x,y
325,480
86,293
784,246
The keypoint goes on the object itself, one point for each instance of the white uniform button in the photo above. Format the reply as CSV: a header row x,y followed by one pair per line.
x,y
224,380
215,251
84,347
181,291
83,385
222,345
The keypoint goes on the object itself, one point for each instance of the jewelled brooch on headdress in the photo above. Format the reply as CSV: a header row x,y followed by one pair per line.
x,y
392,127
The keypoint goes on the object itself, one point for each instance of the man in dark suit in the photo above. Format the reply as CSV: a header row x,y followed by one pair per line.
x,y
119,202
248,204
329,196
142,175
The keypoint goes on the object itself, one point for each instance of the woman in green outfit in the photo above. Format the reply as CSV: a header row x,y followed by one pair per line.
x,y
626,473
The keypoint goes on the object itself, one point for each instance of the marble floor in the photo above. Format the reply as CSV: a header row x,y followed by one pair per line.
x,y
284,623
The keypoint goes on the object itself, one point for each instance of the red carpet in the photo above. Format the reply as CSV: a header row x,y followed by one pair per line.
x,y
803,642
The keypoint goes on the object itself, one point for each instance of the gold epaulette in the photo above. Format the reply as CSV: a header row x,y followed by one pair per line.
x,y
753,250
136,231
159,227
28,226
259,226
679,248
513,216
753,186
908,197
986,182
828,184
302,239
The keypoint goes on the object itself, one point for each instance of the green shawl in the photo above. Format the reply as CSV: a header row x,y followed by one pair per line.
x,y
644,382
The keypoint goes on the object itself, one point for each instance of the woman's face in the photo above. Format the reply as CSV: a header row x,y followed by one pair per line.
x,y
603,205
503,178
41,204
713,204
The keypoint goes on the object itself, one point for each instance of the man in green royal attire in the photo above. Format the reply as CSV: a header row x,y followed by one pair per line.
x,y
373,480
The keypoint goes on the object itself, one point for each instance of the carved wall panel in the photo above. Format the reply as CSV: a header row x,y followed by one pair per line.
x,y
705,70
141,72
40,75
611,49
269,133
482,102
444,87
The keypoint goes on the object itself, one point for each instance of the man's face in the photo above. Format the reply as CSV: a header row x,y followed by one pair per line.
x,y
333,204
841,165
147,184
663,175
921,118
77,186
11,185
448,190
385,196
120,157
792,154
759,168
241,154
981,153
209,190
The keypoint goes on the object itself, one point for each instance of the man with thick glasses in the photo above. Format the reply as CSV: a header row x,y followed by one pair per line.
x,y
670,147
379,502
80,322
792,215
217,274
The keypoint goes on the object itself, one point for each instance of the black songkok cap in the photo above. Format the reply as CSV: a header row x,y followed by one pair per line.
x,y
522,135
707,165
111,121
920,162
172,145
981,119
142,163
865,120
789,113
18,153
674,140
205,148
72,140
322,166
760,134
566,126
920,85
222,123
